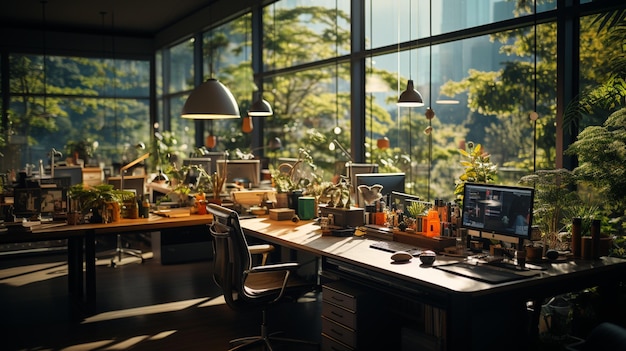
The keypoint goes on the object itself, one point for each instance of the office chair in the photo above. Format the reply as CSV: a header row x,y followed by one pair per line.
x,y
136,183
246,287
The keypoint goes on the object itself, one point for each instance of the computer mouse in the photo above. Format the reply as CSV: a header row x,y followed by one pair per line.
x,y
401,256
428,257
552,254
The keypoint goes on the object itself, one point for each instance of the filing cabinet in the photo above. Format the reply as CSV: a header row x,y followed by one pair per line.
x,y
348,317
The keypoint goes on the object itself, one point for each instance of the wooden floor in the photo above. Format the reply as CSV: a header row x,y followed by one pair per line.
x,y
145,306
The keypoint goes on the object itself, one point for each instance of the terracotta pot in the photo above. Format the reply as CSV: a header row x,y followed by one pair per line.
x,y
534,252
282,200
585,247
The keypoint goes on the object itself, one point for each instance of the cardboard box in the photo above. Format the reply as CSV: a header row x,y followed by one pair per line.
x,y
281,214
438,243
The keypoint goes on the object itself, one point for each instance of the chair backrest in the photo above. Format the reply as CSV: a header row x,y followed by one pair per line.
x,y
232,256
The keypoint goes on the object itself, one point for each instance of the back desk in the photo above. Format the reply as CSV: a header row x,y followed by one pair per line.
x,y
81,248
474,313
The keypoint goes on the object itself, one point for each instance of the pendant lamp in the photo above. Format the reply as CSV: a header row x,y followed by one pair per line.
x,y
260,108
211,100
410,97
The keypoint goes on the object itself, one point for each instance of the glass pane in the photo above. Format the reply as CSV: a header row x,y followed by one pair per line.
x,y
602,47
482,90
181,67
84,101
308,108
410,19
298,32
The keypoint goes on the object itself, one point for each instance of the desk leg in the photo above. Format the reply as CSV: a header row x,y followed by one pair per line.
x,y
90,271
459,316
75,272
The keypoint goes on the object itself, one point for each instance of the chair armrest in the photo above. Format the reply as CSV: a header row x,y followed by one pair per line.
x,y
288,266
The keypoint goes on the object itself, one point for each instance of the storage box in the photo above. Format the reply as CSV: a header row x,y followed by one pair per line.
x,y
344,217
438,243
281,214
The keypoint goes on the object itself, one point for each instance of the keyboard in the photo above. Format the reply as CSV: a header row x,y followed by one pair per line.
x,y
394,246
485,273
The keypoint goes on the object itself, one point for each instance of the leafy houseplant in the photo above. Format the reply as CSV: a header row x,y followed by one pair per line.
x,y
553,199
180,186
478,168
299,176
95,198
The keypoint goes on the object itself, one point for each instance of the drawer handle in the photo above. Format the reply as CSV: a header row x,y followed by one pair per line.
x,y
337,314
336,299
336,332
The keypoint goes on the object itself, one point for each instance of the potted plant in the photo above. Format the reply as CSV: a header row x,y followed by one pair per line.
x,y
554,197
294,179
95,199
478,167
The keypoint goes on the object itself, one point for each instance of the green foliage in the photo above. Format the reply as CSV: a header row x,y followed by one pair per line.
x,y
178,176
478,168
299,176
90,197
601,151
417,208
553,198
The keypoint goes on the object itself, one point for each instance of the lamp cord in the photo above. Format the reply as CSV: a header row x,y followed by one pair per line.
x,y
44,68
430,93
336,64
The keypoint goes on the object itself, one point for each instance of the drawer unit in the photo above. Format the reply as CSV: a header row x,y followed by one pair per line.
x,y
329,344
339,332
347,317
339,314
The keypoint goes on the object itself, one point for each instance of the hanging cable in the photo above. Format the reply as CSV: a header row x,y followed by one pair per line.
x,y
430,113
337,129
534,115
44,66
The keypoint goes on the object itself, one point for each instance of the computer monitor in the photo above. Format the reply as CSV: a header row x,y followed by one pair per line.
x,y
401,201
131,183
247,172
75,173
498,212
352,169
390,182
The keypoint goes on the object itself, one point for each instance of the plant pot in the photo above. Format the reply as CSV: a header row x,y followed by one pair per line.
x,y
586,247
282,200
534,252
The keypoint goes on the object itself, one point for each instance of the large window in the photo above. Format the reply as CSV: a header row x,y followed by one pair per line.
x,y
95,110
482,67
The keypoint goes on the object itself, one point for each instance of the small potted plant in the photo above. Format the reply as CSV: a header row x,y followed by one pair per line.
x,y
95,199
478,167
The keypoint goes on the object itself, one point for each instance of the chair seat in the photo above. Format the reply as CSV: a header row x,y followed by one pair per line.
x,y
258,284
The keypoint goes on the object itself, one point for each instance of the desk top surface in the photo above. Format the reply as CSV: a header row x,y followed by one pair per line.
x,y
306,236
63,230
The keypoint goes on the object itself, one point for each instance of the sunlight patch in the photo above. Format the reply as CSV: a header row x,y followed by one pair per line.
x,y
142,311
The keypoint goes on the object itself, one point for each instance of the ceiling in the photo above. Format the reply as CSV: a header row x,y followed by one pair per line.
x,y
131,17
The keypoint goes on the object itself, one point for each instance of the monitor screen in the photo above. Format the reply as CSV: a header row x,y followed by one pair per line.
x,y
246,172
75,173
498,212
389,181
135,184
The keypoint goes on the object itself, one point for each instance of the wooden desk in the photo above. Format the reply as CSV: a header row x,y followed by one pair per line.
x,y
81,247
476,313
